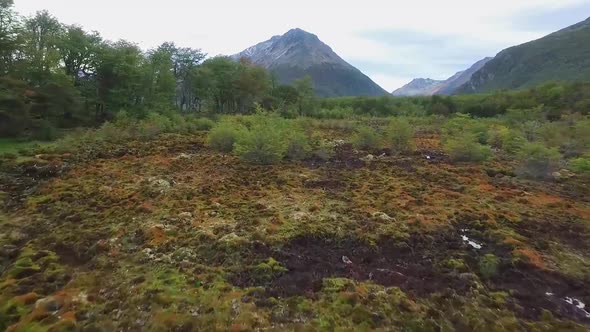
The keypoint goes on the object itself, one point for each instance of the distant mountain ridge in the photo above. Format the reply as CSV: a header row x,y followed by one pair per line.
x,y
429,87
418,87
451,85
563,55
298,53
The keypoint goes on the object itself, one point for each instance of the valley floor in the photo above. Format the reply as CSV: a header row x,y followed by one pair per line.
x,y
170,235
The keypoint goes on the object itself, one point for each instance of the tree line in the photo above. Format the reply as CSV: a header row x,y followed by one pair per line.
x,y
54,75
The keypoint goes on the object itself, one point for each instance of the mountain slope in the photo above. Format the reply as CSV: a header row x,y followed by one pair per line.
x,y
428,87
456,81
298,53
418,87
563,55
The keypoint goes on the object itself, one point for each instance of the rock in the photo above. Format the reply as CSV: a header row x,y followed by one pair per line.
x,y
158,185
49,303
338,142
183,156
346,260
556,175
382,216
368,158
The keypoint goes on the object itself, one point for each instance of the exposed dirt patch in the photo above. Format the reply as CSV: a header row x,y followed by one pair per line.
x,y
410,266
536,290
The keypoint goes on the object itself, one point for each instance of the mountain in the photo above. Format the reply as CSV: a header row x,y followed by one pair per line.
x,y
563,55
428,87
298,53
456,81
418,87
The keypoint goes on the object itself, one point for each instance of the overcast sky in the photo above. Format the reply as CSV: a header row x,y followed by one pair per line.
x,y
389,40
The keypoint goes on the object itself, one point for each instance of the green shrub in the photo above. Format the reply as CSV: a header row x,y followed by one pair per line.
x,y
467,148
580,165
366,138
45,132
223,136
400,135
298,147
513,142
497,136
537,160
463,124
488,266
110,132
262,144
201,124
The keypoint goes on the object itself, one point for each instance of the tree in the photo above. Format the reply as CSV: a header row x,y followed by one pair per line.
x,y
252,84
185,63
41,34
222,73
306,94
160,79
79,52
119,78
9,36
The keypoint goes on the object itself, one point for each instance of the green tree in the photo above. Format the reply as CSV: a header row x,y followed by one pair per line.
x,y
41,37
9,36
78,52
306,95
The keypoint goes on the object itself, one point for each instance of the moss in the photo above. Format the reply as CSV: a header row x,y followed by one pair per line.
x,y
455,264
331,285
488,266
243,215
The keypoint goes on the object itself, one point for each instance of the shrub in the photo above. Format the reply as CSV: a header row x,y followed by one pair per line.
x,y
45,132
580,165
497,136
538,161
488,266
111,133
513,142
201,124
467,148
463,124
223,137
298,147
366,138
262,144
400,135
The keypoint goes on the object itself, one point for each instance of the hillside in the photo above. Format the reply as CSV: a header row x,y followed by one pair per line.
x,y
563,55
429,87
298,53
451,85
418,87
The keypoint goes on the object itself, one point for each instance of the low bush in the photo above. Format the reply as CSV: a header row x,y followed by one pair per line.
x,y
46,131
488,266
265,142
537,160
298,147
200,124
366,138
224,136
400,135
580,165
467,148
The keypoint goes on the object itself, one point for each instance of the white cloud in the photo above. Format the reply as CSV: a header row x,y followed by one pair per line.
x,y
227,27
